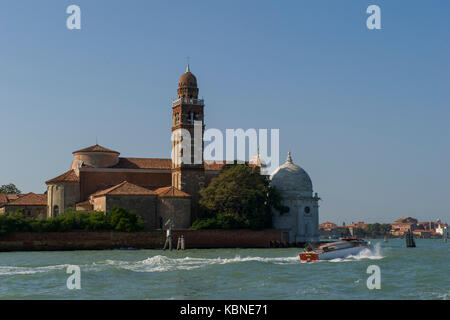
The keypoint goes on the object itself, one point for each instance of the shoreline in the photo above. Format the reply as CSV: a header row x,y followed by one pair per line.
x,y
108,240
154,240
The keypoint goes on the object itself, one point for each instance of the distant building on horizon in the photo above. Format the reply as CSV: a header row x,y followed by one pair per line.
x,y
328,226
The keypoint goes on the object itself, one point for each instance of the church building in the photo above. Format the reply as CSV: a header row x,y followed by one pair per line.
x,y
155,188
159,189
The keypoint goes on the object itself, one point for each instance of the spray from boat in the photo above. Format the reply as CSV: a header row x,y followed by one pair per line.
x,y
338,250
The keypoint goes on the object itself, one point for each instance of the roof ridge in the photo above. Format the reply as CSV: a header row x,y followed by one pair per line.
x,y
171,191
25,197
68,176
145,158
133,189
107,190
96,148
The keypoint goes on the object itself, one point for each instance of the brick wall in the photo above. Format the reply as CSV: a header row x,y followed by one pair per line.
x,y
143,206
227,238
177,208
92,181
29,211
141,240
81,241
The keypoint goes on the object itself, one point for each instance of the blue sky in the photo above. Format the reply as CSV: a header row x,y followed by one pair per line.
x,y
365,112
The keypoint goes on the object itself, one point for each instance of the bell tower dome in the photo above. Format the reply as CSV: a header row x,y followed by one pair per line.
x,y
187,87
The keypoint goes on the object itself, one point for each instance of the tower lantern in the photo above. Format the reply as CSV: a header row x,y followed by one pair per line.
x,y
187,87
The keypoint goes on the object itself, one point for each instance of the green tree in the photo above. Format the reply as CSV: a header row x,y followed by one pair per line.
x,y
377,229
13,222
124,220
386,228
239,197
359,232
9,189
118,219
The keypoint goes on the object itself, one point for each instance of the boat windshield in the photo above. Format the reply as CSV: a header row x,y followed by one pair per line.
x,y
340,245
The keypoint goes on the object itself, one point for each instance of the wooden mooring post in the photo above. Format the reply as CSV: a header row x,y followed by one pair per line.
x,y
409,237
445,234
168,243
181,245
170,223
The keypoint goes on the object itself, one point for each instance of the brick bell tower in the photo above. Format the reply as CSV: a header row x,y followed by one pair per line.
x,y
188,174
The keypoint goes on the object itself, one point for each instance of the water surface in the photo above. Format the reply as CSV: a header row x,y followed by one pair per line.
x,y
406,273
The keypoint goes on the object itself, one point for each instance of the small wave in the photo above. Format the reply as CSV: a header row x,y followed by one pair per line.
x,y
161,263
157,263
8,270
445,296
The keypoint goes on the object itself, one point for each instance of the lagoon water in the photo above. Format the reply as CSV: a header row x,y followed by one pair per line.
x,y
406,273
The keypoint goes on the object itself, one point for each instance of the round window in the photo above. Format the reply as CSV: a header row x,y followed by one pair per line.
x,y
307,210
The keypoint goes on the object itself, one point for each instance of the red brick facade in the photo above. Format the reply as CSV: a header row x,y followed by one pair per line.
x,y
92,181
140,240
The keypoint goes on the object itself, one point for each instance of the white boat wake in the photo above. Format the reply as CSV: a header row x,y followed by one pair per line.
x,y
373,253
11,270
161,263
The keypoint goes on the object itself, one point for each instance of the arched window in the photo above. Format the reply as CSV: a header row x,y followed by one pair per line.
x,y
55,211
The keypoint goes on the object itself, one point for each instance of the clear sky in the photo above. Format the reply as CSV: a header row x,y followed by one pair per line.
x,y
365,112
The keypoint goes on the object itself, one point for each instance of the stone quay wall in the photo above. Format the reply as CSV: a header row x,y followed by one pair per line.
x,y
204,239
194,239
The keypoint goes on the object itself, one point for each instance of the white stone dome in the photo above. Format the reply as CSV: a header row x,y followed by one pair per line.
x,y
291,180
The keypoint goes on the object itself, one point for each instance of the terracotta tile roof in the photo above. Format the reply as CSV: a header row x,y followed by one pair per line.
x,y
153,187
84,203
6,197
30,199
171,192
3,198
158,163
96,148
69,176
404,219
124,188
217,166
213,165
143,163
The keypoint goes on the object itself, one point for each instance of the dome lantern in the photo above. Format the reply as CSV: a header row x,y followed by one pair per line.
x,y
187,86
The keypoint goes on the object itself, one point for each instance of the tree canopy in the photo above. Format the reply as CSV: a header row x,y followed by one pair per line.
x,y
239,197
377,229
9,189
118,219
